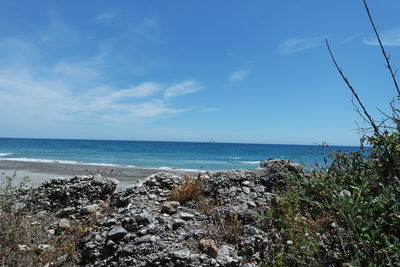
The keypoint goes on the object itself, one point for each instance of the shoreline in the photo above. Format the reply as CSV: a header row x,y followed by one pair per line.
x,y
38,172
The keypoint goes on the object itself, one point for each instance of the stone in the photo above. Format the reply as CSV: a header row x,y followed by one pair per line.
x,y
66,212
145,239
186,216
41,213
44,247
142,231
181,254
251,204
209,247
227,256
170,206
246,190
23,247
89,209
245,183
117,233
152,196
345,193
110,243
51,232
178,222
259,189
142,219
64,224
90,245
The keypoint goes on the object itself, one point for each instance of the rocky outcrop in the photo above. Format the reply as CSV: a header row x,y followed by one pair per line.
x,y
141,226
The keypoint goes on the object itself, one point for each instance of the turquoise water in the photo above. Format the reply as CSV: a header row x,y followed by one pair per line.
x,y
162,155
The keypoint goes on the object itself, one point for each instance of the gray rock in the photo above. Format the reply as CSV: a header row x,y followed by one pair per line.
x,y
227,256
23,247
186,216
259,189
178,222
117,233
64,224
142,219
110,243
181,254
145,239
44,247
245,183
246,190
90,245
142,231
41,213
89,209
66,212
170,206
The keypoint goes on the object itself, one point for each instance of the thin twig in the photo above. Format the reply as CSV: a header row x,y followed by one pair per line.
x,y
387,58
370,119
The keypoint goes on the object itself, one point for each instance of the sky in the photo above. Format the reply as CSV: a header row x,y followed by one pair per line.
x,y
183,70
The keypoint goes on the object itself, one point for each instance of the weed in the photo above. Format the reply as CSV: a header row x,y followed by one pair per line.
x,y
190,189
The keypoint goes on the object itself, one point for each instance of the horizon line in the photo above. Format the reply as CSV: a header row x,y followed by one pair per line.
x,y
166,141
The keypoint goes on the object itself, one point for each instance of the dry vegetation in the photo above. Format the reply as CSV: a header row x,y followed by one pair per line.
x,y
190,189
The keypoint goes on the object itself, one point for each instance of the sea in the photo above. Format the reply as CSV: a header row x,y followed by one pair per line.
x,y
162,155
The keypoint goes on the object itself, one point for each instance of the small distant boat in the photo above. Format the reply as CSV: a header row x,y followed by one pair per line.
x,y
211,142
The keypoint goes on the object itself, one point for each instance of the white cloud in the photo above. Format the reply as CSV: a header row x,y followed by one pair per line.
x,y
153,109
54,101
294,45
389,38
107,15
142,90
37,91
238,75
187,87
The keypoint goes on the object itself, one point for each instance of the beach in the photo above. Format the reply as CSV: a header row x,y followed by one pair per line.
x,y
38,172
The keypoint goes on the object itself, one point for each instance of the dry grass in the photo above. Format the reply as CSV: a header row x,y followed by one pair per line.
x,y
190,189
24,239
226,227
23,236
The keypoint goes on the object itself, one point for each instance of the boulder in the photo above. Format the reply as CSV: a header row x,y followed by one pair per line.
x,y
117,233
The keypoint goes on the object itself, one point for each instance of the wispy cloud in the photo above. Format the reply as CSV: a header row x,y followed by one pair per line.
x,y
294,45
55,100
239,75
77,90
389,38
184,88
142,90
107,15
349,39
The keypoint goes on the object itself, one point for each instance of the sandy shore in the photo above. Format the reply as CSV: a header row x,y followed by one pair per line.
x,y
39,172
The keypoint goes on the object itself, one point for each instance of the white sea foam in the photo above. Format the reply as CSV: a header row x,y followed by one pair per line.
x,y
5,154
42,160
174,169
250,162
66,162
105,164
97,164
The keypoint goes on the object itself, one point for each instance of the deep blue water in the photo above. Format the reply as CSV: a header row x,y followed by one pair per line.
x,y
177,155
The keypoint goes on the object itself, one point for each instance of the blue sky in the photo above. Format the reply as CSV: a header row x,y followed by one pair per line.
x,y
231,71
